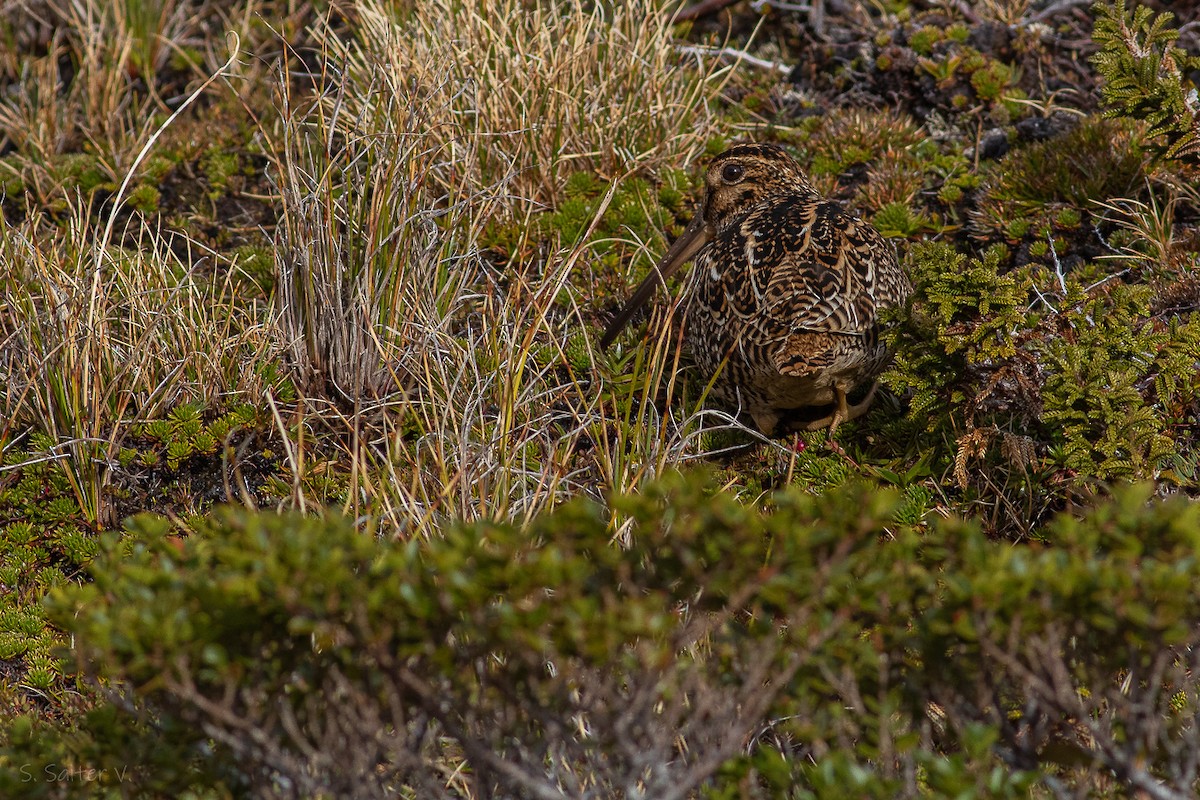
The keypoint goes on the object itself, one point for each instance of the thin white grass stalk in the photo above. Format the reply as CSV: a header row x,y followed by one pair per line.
x,y
738,56
29,462
106,237
693,428
293,453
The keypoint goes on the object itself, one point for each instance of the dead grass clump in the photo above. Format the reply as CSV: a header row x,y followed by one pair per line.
x,y
93,340
95,104
463,385
548,88
96,80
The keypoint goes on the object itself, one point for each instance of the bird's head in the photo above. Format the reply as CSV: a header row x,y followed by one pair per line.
x,y
742,177
735,182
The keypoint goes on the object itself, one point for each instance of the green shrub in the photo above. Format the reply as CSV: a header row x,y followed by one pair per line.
x,y
1063,650
1102,425
531,658
962,317
1035,387
806,648
1144,71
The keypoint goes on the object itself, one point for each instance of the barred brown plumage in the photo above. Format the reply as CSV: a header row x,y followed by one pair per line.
x,y
783,302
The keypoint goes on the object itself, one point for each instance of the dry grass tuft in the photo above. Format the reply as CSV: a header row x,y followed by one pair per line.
x,y
100,105
470,390
95,340
546,88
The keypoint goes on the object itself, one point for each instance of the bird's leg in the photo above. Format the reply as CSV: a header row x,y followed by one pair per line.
x,y
842,412
832,421
858,409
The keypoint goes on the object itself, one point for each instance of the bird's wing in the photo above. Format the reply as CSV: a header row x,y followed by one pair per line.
x,y
822,278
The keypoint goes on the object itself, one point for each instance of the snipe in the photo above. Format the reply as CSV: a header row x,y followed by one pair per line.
x,y
783,301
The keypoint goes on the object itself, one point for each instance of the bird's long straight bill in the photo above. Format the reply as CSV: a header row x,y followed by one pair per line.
x,y
680,253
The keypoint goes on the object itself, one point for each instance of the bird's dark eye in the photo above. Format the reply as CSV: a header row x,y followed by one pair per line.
x,y
732,173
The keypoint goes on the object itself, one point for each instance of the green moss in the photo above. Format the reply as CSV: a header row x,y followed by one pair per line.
x,y
993,80
186,59
82,170
900,220
1099,159
972,60
1068,218
12,181
219,166
817,469
638,209
950,194
842,139
156,168
578,353
159,430
923,39
186,417
204,442
672,190
177,451
584,184
716,145
144,198
958,32
1045,185
1013,105
1017,229
255,267
41,535
78,546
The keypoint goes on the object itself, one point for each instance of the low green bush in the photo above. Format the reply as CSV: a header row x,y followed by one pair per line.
x,y
684,643
1034,390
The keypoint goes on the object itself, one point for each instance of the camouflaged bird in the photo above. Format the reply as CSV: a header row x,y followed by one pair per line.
x,y
783,303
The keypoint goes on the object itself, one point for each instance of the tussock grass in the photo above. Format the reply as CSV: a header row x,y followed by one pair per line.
x,y
105,106
457,383
469,390
102,108
1152,226
106,324
97,339
547,88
